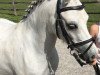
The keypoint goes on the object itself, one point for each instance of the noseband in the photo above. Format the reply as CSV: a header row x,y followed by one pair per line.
x,y
71,44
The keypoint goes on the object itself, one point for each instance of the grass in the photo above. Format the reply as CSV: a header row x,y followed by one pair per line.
x,y
9,14
93,10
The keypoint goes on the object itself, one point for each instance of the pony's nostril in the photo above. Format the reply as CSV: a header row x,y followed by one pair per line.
x,y
93,57
91,60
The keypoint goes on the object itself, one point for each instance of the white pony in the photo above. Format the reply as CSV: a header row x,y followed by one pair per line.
x,y
23,44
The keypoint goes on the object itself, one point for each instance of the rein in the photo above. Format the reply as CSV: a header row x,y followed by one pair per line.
x,y
71,44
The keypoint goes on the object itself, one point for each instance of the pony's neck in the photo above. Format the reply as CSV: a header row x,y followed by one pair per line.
x,y
35,26
40,24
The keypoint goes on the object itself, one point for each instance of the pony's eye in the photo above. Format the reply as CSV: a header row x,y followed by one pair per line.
x,y
71,26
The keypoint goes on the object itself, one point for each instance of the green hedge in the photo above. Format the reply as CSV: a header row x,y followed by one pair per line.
x,y
92,7
9,14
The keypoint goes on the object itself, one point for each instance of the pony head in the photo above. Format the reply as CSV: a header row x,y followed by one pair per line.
x,y
71,27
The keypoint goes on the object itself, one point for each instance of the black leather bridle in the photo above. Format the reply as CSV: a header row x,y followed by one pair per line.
x,y
71,44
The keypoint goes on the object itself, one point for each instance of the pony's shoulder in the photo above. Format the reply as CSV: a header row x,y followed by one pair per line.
x,y
6,22
6,28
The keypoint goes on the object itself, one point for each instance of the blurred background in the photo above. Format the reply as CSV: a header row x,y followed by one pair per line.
x,y
92,7
15,9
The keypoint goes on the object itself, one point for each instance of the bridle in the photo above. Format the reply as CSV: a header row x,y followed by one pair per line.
x,y
71,44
